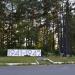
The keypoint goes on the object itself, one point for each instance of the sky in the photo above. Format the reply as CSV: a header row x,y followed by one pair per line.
x,y
72,0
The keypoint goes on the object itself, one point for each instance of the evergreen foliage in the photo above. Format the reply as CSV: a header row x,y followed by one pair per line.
x,y
37,24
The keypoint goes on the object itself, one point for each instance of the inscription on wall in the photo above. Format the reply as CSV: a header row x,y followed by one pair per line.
x,y
24,52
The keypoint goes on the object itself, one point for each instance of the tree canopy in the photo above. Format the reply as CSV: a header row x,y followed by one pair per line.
x,y
38,24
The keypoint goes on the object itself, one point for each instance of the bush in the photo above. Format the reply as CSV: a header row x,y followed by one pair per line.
x,y
3,52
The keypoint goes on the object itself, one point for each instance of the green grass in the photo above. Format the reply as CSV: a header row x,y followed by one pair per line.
x,y
29,60
44,62
62,59
17,59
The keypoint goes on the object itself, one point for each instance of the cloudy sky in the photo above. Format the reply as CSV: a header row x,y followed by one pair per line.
x,y
72,0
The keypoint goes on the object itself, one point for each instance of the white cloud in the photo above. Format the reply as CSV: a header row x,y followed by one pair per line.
x,y
72,0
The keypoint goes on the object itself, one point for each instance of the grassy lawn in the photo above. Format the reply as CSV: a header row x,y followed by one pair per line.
x,y
62,59
17,59
33,59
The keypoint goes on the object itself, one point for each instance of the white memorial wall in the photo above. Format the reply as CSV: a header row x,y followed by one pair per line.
x,y
24,52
